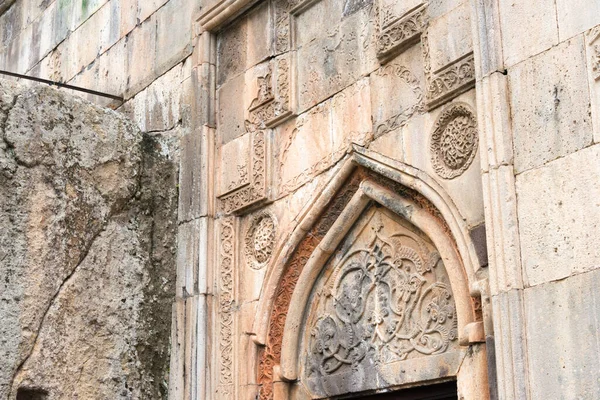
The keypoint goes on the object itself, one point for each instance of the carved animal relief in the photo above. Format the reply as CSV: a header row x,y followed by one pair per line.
x,y
383,301
454,141
259,240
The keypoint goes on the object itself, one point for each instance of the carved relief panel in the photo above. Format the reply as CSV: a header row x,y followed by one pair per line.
x,y
382,314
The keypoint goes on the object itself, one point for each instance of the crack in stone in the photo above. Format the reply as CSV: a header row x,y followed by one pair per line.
x,y
110,216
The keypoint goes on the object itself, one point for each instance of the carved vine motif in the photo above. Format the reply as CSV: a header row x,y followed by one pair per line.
x,y
259,239
226,301
448,82
402,33
594,45
454,141
402,118
382,304
271,355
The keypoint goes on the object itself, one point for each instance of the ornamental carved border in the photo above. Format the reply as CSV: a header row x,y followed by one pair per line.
x,y
270,355
225,384
256,190
594,50
454,141
403,33
448,82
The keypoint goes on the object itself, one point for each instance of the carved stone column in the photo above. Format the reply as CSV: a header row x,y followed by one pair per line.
x,y
506,282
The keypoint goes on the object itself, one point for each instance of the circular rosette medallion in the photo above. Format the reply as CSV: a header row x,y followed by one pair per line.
x,y
454,141
260,239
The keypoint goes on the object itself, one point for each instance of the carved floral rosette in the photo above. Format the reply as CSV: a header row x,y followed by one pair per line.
x,y
454,141
385,300
260,239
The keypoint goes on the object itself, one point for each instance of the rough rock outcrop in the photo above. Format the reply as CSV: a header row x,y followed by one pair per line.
x,y
87,240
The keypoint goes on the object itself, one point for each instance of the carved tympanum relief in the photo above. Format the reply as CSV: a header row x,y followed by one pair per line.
x,y
383,300
454,140
259,239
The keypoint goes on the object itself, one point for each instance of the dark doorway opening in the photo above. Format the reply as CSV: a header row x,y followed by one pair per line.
x,y
31,394
440,391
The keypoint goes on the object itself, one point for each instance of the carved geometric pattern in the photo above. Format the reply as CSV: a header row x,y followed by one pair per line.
x,y
454,141
259,239
225,384
402,33
387,300
450,81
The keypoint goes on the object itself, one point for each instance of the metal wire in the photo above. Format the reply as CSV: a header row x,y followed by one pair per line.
x,y
62,85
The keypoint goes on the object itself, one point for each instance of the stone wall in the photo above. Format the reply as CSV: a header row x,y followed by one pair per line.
x,y
482,113
88,208
539,87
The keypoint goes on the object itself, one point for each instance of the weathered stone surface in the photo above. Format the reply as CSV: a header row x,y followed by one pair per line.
x,y
576,16
87,210
515,22
550,105
563,333
558,212
332,54
450,36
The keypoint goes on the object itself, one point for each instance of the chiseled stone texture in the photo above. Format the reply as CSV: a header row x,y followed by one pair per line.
x,y
563,336
549,97
88,220
559,216
521,39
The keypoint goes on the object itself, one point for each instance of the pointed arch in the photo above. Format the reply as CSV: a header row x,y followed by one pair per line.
x,y
363,178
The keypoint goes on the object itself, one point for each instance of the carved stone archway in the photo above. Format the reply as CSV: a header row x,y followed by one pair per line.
x,y
421,229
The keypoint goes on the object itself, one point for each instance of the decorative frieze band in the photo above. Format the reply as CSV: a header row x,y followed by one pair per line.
x,y
402,33
449,81
225,384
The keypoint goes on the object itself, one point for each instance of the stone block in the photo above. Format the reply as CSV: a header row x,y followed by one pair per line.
x,y
391,11
231,107
157,107
450,36
141,46
440,7
231,51
173,33
81,11
397,91
351,116
576,16
113,71
148,7
563,332
192,184
125,11
550,105
558,212
592,42
259,34
339,55
520,40
188,262
305,144
234,165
